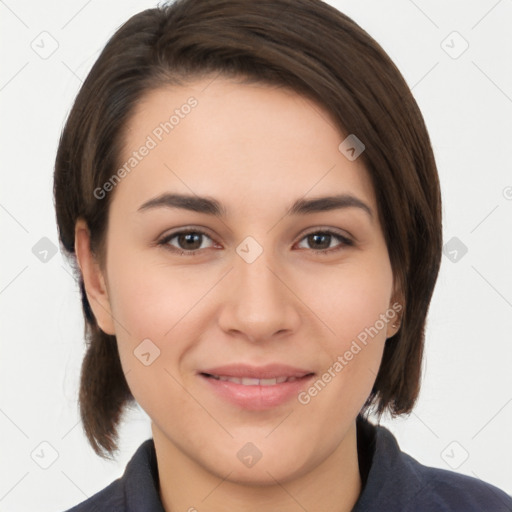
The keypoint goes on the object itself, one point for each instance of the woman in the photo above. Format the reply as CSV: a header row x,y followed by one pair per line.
x,y
249,196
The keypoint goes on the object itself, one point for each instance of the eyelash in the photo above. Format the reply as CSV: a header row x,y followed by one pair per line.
x,y
346,242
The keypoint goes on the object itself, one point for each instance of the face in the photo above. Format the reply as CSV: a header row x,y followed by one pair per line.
x,y
217,298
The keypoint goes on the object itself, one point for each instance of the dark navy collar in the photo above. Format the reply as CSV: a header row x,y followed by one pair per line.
x,y
142,488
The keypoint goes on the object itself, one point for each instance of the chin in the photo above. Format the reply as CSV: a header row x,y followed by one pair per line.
x,y
262,473
249,465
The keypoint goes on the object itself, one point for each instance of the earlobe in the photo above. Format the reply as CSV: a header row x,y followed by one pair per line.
x,y
94,281
396,304
394,326
395,322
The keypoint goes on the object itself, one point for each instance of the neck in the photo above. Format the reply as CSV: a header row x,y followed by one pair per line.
x,y
334,484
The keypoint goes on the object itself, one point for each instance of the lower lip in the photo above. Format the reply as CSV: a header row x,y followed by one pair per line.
x,y
256,398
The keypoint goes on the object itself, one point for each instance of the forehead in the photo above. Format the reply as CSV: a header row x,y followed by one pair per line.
x,y
243,143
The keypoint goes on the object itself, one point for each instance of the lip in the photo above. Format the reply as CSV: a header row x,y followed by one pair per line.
x,y
256,397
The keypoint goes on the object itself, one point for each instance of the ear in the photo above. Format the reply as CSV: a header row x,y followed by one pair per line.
x,y
94,281
396,304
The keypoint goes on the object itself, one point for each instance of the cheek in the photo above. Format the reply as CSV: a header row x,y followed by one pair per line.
x,y
148,298
161,310
351,299
354,302
152,310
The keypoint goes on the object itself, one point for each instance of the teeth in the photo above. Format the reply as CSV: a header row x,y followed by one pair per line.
x,y
250,382
247,381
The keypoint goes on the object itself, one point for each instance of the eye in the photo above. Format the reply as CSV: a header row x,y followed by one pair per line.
x,y
189,242
321,241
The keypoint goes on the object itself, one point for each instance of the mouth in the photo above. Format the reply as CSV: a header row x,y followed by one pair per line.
x,y
249,381
256,388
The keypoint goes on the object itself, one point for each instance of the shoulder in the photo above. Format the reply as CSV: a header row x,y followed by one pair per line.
x,y
109,499
397,481
136,489
451,491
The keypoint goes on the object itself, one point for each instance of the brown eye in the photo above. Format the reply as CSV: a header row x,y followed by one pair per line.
x,y
187,242
320,241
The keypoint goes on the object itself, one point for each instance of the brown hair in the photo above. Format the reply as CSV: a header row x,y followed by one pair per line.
x,y
305,45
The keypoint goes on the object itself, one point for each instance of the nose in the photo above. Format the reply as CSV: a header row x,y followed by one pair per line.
x,y
260,304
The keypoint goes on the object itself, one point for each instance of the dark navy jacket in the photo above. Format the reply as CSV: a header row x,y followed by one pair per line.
x,y
392,481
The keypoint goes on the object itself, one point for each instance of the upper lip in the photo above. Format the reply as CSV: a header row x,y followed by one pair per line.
x,y
268,371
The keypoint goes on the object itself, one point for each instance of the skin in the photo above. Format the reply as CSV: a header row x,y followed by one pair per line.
x,y
256,149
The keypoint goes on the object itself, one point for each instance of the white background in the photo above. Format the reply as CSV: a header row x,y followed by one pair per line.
x,y
465,407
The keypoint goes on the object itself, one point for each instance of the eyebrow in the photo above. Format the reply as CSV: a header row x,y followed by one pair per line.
x,y
213,207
